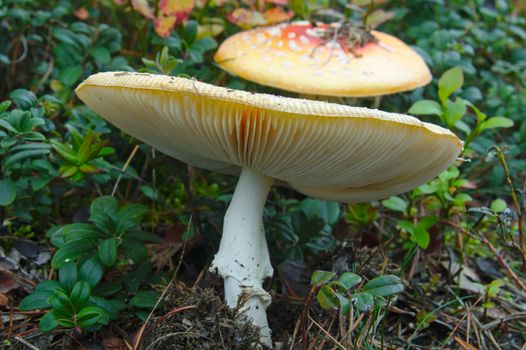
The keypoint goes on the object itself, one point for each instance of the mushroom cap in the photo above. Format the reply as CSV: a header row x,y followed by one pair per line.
x,y
324,150
293,57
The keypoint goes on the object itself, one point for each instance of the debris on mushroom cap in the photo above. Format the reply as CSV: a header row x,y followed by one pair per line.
x,y
301,58
326,150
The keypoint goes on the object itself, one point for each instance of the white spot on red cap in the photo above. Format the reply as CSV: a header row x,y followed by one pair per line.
x,y
274,31
293,45
304,39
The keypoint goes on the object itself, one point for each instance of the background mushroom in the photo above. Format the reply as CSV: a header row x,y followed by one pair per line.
x,y
324,150
330,60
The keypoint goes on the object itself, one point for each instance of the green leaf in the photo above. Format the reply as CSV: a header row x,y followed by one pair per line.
x,y
47,286
48,322
71,251
190,32
134,249
454,111
104,205
321,277
363,301
68,170
80,294
100,54
426,107
24,99
498,205
84,151
64,151
327,298
20,156
108,306
395,203
67,275
71,75
384,286
145,299
130,216
422,238
326,210
105,223
35,300
64,321
66,36
149,192
89,169
61,303
449,82
91,271
108,251
7,192
4,106
92,315
421,234
496,122
345,304
76,232
349,280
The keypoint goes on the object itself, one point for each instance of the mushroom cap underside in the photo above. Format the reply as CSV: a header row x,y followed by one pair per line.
x,y
325,150
291,57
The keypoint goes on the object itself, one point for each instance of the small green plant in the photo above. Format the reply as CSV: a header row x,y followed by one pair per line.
x,y
71,300
345,291
451,112
112,231
491,291
419,231
84,156
26,169
164,63
306,230
350,296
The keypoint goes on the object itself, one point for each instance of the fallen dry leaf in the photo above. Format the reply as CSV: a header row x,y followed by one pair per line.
x,y
114,344
4,300
464,345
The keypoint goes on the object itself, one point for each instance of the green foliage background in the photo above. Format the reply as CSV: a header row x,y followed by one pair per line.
x,y
58,158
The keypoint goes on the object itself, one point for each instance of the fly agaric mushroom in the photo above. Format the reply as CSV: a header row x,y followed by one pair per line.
x,y
325,150
331,60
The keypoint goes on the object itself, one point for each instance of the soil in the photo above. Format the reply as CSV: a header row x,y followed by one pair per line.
x,y
207,323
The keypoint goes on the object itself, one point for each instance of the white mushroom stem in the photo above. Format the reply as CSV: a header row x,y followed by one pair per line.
x,y
243,258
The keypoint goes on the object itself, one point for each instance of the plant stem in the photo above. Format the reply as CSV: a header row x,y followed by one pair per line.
x,y
521,245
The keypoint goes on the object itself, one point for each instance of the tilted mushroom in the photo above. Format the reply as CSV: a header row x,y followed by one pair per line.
x,y
328,60
324,150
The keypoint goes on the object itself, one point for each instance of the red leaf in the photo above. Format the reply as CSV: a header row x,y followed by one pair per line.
x,y
179,8
164,25
81,13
